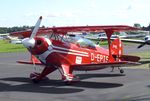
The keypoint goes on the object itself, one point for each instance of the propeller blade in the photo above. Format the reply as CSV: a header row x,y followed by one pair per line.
x,y
37,25
141,45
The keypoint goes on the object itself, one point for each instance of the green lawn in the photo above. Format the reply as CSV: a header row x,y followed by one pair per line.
x,y
145,60
5,46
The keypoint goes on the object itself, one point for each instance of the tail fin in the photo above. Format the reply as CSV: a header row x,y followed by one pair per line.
x,y
117,52
116,49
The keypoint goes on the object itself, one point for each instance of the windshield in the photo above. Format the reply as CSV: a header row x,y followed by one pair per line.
x,y
82,42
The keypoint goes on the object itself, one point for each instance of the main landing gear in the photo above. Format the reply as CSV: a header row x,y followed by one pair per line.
x,y
37,77
70,79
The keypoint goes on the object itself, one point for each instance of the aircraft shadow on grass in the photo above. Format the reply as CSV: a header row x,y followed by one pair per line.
x,y
52,86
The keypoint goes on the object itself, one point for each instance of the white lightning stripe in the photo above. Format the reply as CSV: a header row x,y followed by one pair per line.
x,y
44,55
59,51
69,50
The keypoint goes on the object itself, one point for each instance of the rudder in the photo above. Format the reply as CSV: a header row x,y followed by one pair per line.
x,y
116,49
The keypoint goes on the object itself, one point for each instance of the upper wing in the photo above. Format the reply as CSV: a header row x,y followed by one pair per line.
x,y
103,65
64,30
27,33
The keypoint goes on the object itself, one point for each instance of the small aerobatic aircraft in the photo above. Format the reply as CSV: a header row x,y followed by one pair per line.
x,y
57,50
146,41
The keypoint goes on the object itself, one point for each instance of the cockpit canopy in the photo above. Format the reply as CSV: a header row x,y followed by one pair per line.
x,y
82,42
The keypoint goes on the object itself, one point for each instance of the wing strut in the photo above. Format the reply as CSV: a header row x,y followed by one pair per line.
x,y
109,33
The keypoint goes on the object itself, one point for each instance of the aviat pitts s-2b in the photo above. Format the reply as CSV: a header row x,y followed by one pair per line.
x,y
66,53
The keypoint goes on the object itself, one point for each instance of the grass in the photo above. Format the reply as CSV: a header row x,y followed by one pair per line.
x,y
6,47
145,60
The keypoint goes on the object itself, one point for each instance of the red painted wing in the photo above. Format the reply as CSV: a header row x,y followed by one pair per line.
x,y
64,30
24,34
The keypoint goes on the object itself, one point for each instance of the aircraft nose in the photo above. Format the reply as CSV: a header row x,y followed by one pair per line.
x,y
28,42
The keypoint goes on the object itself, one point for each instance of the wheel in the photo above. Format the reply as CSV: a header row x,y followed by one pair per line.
x,y
70,82
33,77
35,81
121,71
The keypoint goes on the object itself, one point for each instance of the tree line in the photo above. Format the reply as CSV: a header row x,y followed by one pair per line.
x,y
4,30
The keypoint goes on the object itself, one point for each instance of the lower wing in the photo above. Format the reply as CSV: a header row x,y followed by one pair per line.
x,y
103,65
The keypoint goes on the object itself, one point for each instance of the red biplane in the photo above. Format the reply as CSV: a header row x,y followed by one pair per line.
x,y
58,50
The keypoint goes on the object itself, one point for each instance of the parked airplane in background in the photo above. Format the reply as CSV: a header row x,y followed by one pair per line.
x,y
120,34
146,41
13,40
68,53
3,36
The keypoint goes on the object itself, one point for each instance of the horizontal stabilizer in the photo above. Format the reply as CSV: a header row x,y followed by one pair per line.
x,y
33,60
30,62
130,58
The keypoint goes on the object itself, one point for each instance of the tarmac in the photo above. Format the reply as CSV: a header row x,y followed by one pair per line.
x,y
101,85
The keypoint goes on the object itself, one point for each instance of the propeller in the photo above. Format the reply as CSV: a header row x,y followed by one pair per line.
x,y
30,42
146,42
36,28
141,45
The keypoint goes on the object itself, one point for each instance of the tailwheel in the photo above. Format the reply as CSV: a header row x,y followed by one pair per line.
x,y
33,77
35,81
121,71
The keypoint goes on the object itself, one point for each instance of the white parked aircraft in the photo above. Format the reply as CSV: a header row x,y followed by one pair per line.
x,y
146,41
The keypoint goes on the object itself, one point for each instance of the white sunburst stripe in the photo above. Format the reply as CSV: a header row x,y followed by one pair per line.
x,y
50,50
72,53
70,50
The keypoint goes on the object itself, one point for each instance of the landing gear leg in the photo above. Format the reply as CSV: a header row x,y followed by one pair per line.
x,y
112,69
67,75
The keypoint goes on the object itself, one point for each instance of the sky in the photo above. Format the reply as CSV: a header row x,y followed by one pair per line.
x,y
74,12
